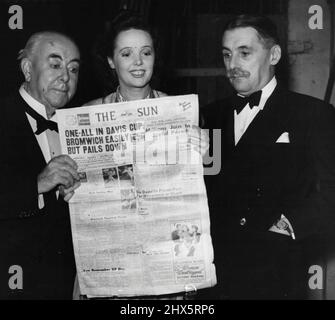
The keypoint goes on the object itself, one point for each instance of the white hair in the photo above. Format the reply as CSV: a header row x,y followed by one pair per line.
x,y
34,41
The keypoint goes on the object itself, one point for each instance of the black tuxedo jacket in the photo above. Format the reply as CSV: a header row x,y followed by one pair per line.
x,y
261,179
39,241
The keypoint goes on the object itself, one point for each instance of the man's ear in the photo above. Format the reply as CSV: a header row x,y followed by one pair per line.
x,y
275,54
26,69
111,63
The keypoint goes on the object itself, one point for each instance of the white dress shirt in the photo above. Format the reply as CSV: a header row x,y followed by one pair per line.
x,y
47,140
245,117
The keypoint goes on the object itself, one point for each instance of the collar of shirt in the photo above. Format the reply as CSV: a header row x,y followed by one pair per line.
x,y
47,140
34,104
267,91
246,116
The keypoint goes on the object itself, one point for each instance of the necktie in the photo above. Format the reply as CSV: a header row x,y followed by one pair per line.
x,y
42,123
240,102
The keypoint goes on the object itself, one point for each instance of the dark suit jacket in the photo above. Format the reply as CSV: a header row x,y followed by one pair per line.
x,y
37,240
261,179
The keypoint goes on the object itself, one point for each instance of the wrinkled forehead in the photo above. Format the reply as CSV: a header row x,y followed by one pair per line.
x,y
239,37
59,46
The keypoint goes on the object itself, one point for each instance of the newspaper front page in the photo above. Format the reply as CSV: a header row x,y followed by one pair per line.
x,y
140,219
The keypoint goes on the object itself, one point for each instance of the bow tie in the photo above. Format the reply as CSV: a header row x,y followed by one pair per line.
x,y
42,123
240,102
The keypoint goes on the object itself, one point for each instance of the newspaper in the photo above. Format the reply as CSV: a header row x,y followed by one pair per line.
x,y
140,219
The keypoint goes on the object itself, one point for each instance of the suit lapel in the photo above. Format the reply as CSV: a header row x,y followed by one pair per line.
x,y
229,134
264,130
268,123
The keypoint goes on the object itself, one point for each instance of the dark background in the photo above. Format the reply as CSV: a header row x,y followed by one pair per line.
x,y
188,32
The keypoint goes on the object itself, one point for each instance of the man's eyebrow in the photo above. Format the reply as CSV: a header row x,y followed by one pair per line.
x,y
225,48
244,47
76,60
57,56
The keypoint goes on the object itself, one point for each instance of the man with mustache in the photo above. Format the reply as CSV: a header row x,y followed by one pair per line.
x,y
275,194
34,219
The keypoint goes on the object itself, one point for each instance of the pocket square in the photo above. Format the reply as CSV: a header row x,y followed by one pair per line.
x,y
284,138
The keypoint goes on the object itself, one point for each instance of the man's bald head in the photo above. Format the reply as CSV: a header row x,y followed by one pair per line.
x,y
36,39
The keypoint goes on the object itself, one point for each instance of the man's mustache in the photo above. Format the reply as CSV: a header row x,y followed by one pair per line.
x,y
237,73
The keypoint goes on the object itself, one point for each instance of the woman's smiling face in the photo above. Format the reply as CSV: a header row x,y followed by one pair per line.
x,y
133,58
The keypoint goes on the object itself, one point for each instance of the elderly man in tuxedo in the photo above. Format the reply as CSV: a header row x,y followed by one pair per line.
x,y
34,220
275,194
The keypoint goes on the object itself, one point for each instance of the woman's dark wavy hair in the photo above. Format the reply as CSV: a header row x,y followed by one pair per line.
x,y
105,46
124,21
